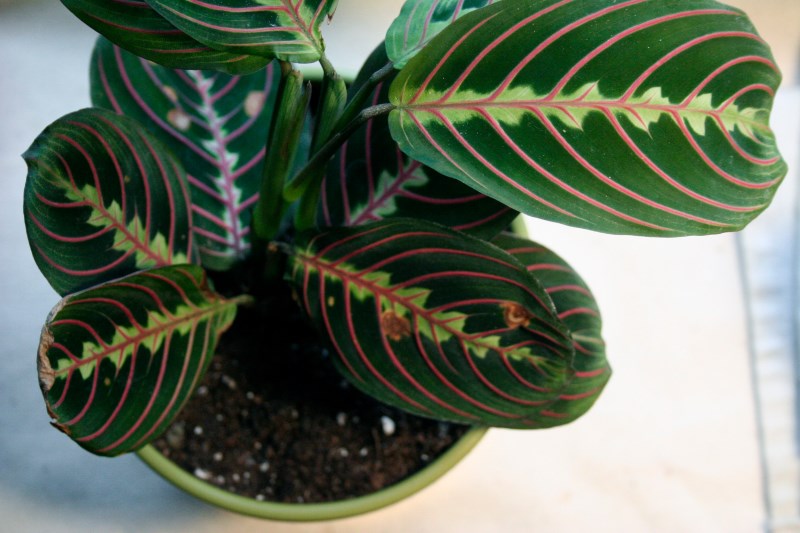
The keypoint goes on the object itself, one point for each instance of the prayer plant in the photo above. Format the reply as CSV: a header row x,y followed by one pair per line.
x,y
206,158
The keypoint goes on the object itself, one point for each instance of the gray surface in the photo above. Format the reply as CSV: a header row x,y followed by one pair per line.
x,y
38,473
769,252
671,447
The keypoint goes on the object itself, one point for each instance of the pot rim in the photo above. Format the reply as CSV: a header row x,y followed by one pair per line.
x,y
307,512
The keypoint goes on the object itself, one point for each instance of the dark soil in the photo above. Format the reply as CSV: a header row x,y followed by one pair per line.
x,y
273,420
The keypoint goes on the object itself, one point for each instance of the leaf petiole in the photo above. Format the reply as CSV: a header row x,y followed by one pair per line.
x,y
281,149
359,99
314,170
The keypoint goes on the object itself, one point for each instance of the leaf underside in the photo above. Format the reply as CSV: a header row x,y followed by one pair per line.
x,y
420,21
436,322
284,29
216,124
117,362
135,26
371,179
103,199
635,117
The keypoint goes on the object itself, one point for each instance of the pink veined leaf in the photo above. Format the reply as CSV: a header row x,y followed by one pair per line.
x,y
370,179
288,30
117,362
103,199
135,26
216,124
576,306
437,322
637,117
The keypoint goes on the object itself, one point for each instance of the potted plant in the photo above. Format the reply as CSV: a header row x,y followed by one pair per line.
x,y
210,179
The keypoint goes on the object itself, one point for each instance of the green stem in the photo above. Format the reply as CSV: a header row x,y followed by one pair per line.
x,y
314,169
243,300
327,67
284,138
332,102
359,99
305,217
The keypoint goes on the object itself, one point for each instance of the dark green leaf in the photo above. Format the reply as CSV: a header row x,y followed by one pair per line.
x,y
214,123
117,362
103,199
370,179
437,322
135,26
420,21
283,29
577,308
640,117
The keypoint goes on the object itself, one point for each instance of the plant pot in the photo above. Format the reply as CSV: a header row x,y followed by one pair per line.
x,y
299,403
311,511
392,493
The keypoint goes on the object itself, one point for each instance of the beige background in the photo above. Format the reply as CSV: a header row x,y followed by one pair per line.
x,y
672,446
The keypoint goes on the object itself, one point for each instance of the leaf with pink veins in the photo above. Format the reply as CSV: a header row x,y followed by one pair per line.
x,y
216,124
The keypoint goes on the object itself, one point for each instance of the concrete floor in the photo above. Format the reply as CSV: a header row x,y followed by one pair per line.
x,y
672,446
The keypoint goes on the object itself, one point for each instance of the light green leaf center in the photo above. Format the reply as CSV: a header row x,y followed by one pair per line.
x,y
571,109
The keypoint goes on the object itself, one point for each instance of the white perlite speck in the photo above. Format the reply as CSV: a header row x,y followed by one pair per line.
x,y
199,473
388,425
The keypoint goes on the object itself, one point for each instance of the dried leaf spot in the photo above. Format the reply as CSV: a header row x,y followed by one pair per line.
x,y
180,119
395,326
516,315
254,103
47,376
170,93
331,301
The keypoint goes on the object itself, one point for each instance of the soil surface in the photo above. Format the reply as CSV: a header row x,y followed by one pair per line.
x,y
273,420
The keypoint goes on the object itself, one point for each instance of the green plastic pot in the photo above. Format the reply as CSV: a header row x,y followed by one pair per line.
x,y
307,512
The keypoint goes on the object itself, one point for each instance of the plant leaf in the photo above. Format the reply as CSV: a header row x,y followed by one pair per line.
x,y
135,26
420,21
284,29
436,322
638,117
215,124
370,179
103,199
577,307
117,362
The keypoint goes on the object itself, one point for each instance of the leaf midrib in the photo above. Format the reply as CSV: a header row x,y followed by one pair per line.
x,y
120,226
389,293
146,333
681,110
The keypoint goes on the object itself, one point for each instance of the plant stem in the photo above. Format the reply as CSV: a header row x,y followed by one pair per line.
x,y
284,138
358,100
306,215
332,102
311,172
244,300
327,67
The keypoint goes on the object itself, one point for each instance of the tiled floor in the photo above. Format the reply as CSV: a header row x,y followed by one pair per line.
x,y
673,445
